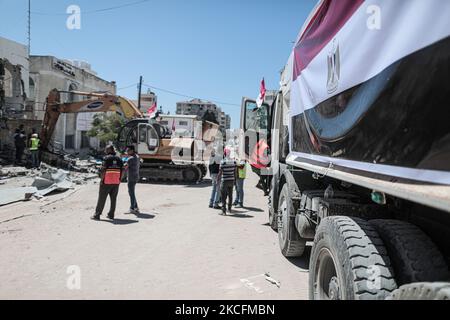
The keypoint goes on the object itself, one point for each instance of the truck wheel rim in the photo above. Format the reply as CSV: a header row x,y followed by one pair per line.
x,y
282,221
326,284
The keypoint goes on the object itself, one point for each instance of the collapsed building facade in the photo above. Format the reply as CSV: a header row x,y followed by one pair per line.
x,y
25,82
14,79
14,93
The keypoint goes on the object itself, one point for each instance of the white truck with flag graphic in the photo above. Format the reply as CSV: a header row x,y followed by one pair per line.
x,y
359,140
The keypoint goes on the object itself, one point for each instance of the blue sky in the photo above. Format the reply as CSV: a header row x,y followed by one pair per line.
x,y
210,49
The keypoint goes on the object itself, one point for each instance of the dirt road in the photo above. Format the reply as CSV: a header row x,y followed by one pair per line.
x,y
177,248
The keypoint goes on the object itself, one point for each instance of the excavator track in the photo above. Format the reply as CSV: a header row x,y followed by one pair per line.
x,y
165,172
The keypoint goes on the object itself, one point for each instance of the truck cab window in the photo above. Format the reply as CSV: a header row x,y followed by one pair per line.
x,y
256,118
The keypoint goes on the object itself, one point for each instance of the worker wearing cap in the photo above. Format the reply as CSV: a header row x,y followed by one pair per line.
x,y
34,150
241,175
111,175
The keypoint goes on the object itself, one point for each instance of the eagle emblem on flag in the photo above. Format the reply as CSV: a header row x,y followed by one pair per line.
x,y
334,68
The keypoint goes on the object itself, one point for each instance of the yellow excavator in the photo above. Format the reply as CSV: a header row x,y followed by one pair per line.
x,y
172,147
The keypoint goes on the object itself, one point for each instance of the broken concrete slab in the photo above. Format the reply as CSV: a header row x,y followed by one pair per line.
x,y
44,182
13,171
8,196
51,181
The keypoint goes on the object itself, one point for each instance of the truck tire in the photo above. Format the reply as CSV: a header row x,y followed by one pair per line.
x,y
273,219
349,262
414,257
422,291
291,244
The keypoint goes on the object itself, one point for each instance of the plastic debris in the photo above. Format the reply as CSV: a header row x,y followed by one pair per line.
x,y
272,280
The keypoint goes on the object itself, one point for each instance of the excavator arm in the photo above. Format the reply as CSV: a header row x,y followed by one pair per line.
x,y
94,102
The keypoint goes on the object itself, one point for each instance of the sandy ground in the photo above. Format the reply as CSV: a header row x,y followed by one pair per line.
x,y
177,248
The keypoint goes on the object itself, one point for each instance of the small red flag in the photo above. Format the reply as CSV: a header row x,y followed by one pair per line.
x,y
262,94
152,109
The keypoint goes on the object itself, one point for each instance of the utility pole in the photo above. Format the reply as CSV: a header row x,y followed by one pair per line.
x,y
139,93
29,28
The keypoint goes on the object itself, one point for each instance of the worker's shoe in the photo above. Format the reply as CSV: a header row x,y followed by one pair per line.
x,y
217,207
210,205
136,211
229,210
110,217
239,205
95,217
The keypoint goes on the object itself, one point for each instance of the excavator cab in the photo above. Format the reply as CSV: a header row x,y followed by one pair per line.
x,y
148,142
140,133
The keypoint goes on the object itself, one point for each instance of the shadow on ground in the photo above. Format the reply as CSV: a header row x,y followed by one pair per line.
x,y
121,221
144,215
252,209
303,261
239,215
202,184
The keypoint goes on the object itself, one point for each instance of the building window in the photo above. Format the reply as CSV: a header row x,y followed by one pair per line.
x,y
32,89
70,142
71,96
183,123
85,143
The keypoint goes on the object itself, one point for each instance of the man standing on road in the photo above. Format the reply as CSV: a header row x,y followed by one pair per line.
x,y
20,144
34,150
110,174
227,176
214,166
133,166
241,175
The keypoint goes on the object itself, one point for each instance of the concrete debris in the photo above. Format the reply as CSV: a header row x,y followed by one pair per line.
x,y
13,172
23,184
272,280
8,196
87,166
52,180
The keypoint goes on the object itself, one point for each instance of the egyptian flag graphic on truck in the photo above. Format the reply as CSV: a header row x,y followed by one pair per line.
x,y
367,87
348,42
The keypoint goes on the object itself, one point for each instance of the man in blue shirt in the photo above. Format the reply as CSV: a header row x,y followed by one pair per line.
x,y
133,165
214,165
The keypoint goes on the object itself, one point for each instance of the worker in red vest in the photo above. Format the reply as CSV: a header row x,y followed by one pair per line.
x,y
111,175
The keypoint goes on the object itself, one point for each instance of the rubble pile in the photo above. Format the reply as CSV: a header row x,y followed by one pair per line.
x,y
20,184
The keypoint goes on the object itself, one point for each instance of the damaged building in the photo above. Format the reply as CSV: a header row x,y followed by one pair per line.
x,y
25,83
47,73
14,79
14,93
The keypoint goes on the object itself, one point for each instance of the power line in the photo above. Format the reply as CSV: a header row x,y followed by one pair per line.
x,y
190,97
127,87
94,11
